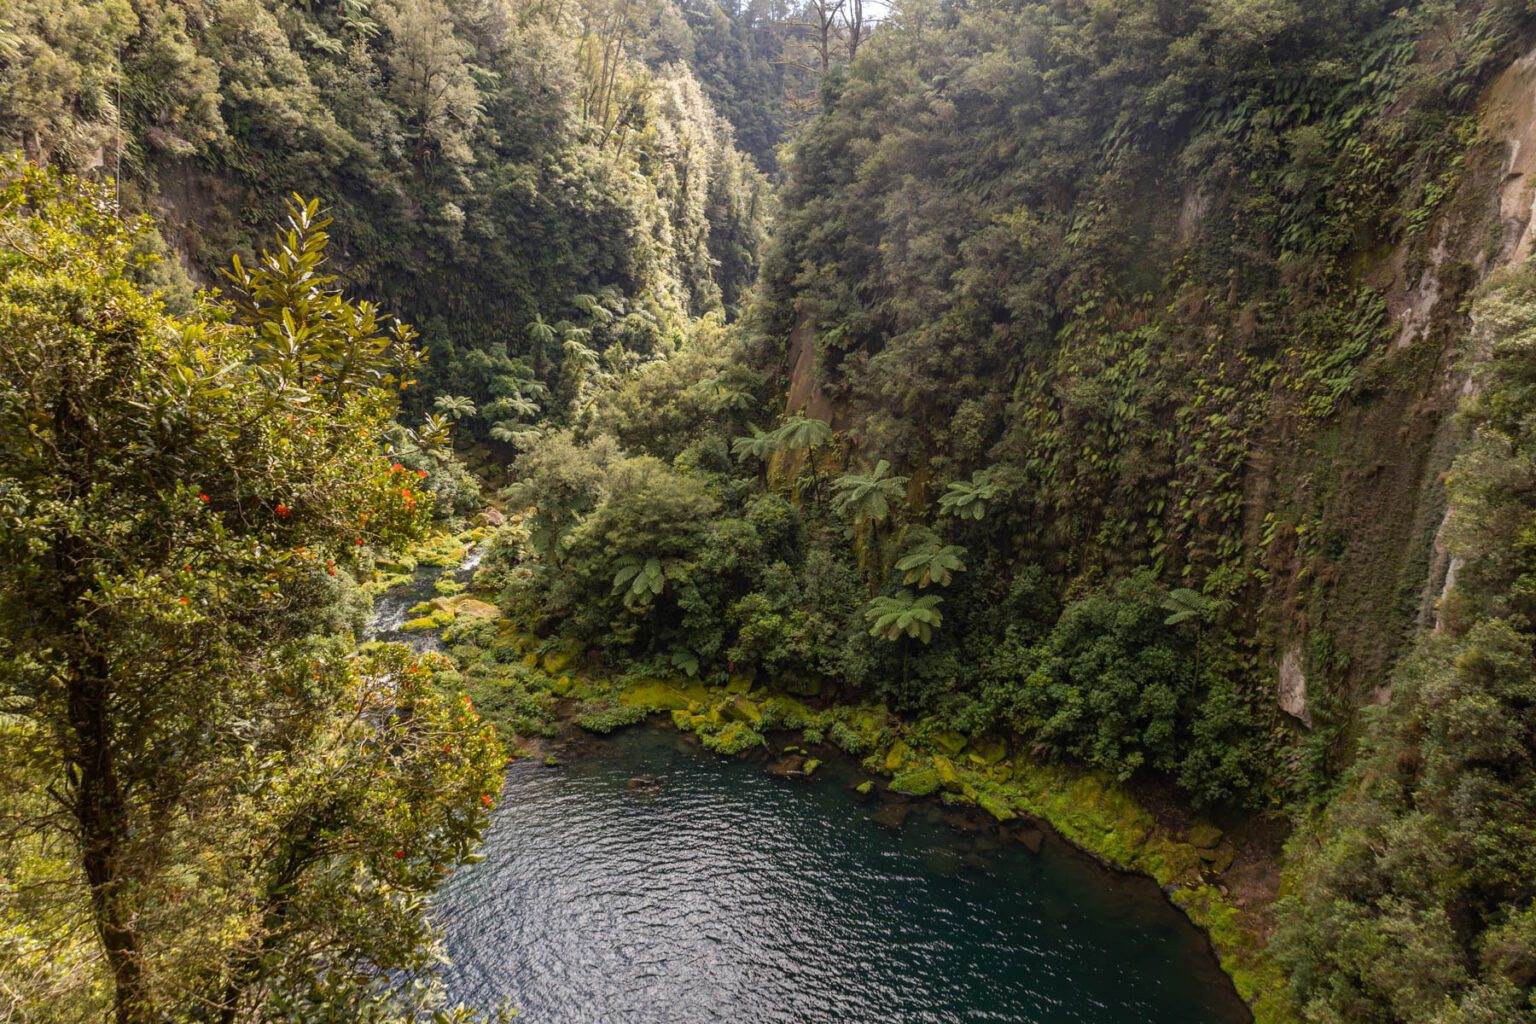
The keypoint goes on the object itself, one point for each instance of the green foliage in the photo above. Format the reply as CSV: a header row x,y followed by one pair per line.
x,y
968,500
904,614
867,499
931,563
189,735
1412,894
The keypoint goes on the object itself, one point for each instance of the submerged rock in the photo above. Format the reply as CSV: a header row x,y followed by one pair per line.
x,y
892,815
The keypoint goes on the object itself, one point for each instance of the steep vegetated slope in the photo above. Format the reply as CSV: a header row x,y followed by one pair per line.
x,y
492,167
1188,287
1099,397
1119,348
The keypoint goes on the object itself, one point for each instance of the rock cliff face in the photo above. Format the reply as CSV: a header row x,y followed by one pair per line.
x,y
1378,472
1359,561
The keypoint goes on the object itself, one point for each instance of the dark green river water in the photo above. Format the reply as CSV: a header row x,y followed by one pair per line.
x,y
649,881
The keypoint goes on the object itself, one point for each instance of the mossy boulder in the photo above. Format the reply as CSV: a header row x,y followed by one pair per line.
x,y
739,684
731,739
921,781
949,776
864,788
897,756
995,806
474,608
810,766
1203,836
949,742
988,750
561,658
801,687
655,695
740,708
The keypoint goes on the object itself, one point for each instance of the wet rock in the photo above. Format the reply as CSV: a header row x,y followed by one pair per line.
x,y
785,767
892,815
865,790
644,785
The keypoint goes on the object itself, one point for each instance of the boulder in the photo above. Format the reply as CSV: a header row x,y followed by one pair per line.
x,y
949,776
915,782
949,741
892,816
988,750
473,608
996,807
740,708
897,756
1031,837
1203,836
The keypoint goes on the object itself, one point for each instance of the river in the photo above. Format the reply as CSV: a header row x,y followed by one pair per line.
x,y
647,881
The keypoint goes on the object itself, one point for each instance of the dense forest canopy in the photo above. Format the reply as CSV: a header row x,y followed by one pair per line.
x,y
1140,385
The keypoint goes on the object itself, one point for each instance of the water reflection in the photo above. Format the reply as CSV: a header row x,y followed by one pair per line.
x,y
652,882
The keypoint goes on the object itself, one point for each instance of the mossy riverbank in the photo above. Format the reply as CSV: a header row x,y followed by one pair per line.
x,y
533,689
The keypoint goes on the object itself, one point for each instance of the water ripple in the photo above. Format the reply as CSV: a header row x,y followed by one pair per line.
x,y
729,895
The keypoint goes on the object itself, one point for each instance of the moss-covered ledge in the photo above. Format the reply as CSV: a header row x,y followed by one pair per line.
x,y
918,759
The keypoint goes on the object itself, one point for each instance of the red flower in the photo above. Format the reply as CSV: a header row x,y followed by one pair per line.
x,y
203,497
485,799
359,542
395,467
283,511
421,473
330,566
184,600
399,855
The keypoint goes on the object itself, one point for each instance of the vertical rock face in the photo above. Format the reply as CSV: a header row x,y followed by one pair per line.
x,y
1293,685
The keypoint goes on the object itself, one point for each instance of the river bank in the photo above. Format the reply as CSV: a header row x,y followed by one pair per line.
x,y
542,692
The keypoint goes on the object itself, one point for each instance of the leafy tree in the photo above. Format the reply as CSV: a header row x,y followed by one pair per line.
x,y
932,562
968,499
181,499
904,614
867,498
454,406
802,433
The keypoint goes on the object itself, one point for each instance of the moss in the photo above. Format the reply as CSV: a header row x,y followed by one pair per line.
x,y
659,695
731,739
607,717
916,781
949,777
561,658
447,586
742,709
897,756
864,788
810,766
